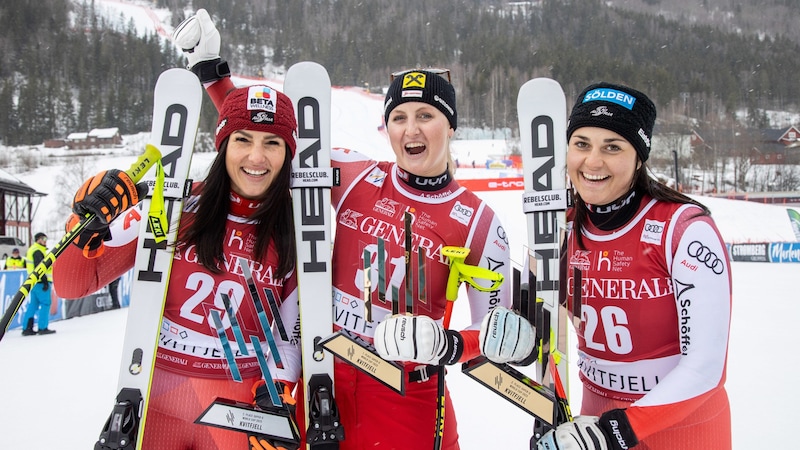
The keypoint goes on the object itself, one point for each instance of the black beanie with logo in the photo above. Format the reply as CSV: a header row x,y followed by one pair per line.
x,y
618,108
422,86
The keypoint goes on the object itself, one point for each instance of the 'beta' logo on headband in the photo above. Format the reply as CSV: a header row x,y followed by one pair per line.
x,y
610,95
261,98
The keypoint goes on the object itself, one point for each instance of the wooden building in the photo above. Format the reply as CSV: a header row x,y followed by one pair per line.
x,y
97,138
762,146
16,205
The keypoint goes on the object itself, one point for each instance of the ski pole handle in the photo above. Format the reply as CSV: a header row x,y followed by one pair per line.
x,y
461,272
136,171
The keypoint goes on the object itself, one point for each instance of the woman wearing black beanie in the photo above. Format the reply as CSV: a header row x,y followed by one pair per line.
x,y
371,204
655,291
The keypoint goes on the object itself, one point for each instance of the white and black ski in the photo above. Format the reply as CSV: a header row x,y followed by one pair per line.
x,y
176,113
542,121
309,87
541,106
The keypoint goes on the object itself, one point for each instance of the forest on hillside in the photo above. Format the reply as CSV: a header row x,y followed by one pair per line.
x,y
69,69
66,69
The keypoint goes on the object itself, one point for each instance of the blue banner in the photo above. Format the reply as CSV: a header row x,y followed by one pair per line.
x,y
10,281
785,252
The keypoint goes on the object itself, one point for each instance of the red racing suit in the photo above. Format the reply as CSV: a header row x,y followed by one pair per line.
x,y
191,370
655,318
370,205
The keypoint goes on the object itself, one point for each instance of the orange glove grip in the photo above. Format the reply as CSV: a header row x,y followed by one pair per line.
x,y
107,194
91,239
257,443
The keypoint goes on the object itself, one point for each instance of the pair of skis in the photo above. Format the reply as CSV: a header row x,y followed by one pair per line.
x,y
177,102
541,106
542,116
309,87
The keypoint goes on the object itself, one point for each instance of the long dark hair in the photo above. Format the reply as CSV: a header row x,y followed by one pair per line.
x,y
274,218
644,184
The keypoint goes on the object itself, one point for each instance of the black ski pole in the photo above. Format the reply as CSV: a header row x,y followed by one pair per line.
x,y
136,171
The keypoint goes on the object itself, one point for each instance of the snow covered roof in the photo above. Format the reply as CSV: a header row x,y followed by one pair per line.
x,y
5,176
77,136
9,182
104,133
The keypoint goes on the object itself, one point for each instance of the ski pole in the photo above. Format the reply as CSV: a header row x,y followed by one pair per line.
x,y
136,171
459,271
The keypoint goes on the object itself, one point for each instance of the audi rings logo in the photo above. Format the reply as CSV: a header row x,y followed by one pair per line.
x,y
462,210
653,232
703,254
462,213
653,228
501,233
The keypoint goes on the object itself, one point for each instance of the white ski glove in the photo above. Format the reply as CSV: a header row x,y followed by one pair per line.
x,y
506,336
611,431
198,38
417,339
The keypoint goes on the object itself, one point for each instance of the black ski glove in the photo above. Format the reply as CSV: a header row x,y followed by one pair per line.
x,y
263,401
105,195
611,431
91,238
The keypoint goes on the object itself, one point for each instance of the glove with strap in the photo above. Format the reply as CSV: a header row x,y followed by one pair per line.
x,y
611,431
417,339
199,39
507,337
262,399
105,195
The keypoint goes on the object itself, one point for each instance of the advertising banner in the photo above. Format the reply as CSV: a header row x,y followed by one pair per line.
x,y
749,252
785,252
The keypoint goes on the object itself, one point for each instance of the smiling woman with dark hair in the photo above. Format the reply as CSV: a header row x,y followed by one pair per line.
x,y
240,211
655,291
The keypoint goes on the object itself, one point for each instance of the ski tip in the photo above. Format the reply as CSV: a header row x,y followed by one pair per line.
x,y
542,96
308,67
538,86
542,82
182,77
